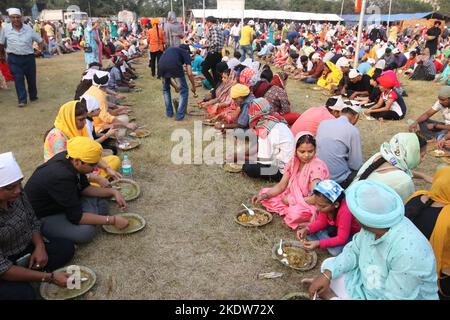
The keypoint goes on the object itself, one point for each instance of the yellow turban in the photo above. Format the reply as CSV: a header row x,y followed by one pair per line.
x,y
239,90
65,121
155,21
85,149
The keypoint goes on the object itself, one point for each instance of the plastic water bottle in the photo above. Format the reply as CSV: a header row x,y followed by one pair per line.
x,y
127,169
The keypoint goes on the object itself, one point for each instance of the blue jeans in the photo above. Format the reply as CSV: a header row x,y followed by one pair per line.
x,y
246,49
184,96
21,67
310,80
323,234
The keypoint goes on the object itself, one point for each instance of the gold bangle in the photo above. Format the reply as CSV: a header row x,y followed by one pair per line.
x,y
107,220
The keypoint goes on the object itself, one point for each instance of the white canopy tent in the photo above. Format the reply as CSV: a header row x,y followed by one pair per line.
x,y
267,15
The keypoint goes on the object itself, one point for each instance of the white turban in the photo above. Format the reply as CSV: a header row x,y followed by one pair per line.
x,y
9,169
100,78
14,11
89,74
91,103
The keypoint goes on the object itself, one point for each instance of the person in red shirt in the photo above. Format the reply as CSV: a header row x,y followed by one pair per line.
x,y
335,225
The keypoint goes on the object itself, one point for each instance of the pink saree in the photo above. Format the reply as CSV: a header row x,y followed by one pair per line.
x,y
298,211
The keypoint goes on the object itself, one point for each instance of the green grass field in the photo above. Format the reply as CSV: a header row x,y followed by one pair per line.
x,y
191,247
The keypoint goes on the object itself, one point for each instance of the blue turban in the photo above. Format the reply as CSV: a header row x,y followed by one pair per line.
x,y
374,204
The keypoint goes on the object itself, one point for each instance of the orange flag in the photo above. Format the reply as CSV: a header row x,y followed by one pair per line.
x,y
358,5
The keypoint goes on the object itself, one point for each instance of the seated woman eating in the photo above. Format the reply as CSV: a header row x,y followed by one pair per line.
x,y
250,75
268,158
279,100
389,259
335,224
388,106
282,55
331,76
222,98
106,119
293,197
430,212
395,162
25,256
70,123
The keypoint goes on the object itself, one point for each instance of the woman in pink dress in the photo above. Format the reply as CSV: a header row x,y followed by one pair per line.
x,y
293,196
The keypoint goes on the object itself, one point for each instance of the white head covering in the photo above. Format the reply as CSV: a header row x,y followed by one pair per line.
x,y
14,11
9,169
91,103
316,56
354,105
381,64
255,65
89,74
353,74
371,61
100,78
342,62
247,63
340,105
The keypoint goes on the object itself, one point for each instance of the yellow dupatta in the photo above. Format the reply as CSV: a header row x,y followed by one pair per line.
x,y
333,78
65,122
440,238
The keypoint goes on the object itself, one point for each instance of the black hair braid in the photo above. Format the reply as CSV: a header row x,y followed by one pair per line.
x,y
374,166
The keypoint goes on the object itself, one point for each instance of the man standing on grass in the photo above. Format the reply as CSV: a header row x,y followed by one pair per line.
x,y
18,39
171,65
173,31
247,36
215,43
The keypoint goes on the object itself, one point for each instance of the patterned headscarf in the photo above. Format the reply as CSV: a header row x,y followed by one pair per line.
x,y
403,152
262,118
329,189
246,75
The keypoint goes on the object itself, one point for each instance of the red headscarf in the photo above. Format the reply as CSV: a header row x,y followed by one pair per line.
x,y
386,81
276,81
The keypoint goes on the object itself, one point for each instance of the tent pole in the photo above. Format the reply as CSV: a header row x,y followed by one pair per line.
x,y
243,13
342,10
204,13
389,16
184,18
360,29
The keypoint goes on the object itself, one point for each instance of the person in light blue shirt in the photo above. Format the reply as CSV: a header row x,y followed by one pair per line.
x,y
197,64
18,39
389,259
339,145
366,66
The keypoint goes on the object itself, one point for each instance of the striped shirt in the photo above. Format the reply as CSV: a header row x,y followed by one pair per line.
x,y
19,42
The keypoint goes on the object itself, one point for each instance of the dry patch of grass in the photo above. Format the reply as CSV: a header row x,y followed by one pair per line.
x,y
191,247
